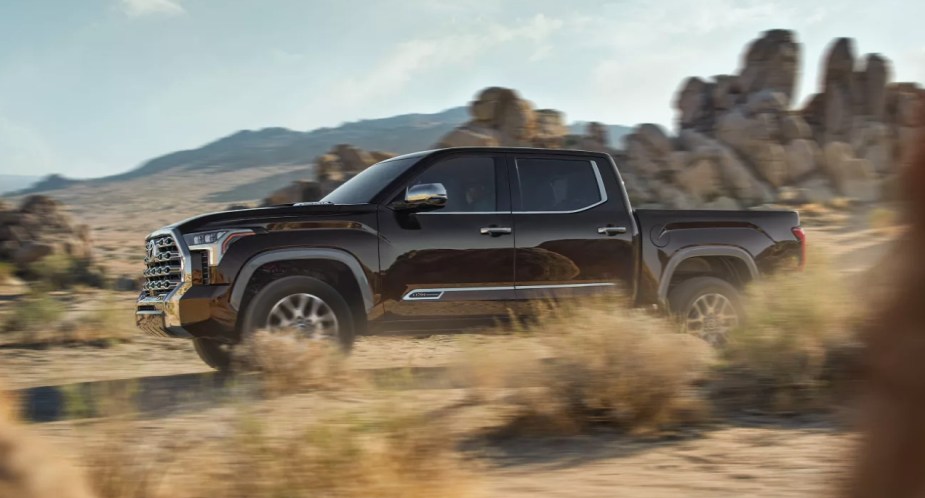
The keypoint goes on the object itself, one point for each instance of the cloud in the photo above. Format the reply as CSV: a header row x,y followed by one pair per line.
x,y
142,8
411,58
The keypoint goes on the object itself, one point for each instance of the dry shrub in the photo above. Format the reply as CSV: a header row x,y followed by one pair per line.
x,y
799,328
290,363
389,451
31,469
610,366
881,218
386,450
39,320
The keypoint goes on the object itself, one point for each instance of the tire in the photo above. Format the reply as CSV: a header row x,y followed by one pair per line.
x,y
707,307
214,354
337,325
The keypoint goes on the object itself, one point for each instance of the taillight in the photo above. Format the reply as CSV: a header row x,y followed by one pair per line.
x,y
801,236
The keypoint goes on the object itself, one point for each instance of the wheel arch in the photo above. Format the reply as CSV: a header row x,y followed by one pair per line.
x,y
246,274
690,253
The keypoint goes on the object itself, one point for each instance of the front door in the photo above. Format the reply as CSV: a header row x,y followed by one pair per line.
x,y
573,231
456,261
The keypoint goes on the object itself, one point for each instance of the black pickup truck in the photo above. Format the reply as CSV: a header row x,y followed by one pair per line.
x,y
446,239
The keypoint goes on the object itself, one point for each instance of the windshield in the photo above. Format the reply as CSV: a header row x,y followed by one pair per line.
x,y
362,188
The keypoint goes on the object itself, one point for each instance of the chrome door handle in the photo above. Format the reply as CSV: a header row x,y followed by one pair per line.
x,y
609,231
494,231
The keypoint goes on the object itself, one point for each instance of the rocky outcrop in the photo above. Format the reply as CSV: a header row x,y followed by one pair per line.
x,y
740,138
39,228
335,167
500,117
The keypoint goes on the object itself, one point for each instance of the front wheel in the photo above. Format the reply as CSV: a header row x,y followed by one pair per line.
x,y
707,307
303,305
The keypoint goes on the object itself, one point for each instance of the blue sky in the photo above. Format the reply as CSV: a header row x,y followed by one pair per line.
x,y
95,87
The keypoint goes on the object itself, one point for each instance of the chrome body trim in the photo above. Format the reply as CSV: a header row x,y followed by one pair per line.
x,y
167,306
436,294
701,251
247,271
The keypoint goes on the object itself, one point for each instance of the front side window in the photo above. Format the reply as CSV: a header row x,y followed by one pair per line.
x,y
469,182
557,185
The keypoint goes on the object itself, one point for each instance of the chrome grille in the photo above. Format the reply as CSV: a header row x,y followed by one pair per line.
x,y
162,266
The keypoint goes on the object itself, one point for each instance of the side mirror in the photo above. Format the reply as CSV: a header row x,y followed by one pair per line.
x,y
424,196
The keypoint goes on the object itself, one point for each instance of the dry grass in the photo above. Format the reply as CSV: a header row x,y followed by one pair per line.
x,y
7,272
29,468
384,450
289,363
41,320
797,324
609,366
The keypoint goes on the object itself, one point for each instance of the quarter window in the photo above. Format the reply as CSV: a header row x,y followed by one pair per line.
x,y
557,184
469,182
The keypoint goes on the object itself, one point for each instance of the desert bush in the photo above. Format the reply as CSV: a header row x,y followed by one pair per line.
x,y
796,325
386,451
599,365
290,363
34,313
59,271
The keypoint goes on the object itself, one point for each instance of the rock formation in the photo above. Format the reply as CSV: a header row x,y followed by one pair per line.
x,y
740,139
37,229
333,168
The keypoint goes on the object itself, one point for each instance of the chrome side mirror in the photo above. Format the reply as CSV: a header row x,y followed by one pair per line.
x,y
425,196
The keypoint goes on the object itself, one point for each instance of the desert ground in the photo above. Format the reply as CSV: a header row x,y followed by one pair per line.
x,y
64,389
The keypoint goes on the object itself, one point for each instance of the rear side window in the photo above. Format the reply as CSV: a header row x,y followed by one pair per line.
x,y
558,185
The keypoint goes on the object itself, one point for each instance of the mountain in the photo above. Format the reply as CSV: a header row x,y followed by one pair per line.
x,y
10,183
284,147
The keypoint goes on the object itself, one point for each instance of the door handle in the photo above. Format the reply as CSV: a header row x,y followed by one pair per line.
x,y
610,231
493,231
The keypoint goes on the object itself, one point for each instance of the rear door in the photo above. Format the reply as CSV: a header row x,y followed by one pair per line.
x,y
573,227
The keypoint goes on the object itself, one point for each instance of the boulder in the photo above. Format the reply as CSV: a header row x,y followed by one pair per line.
x,y
766,101
31,252
691,102
860,182
836,155
802,159
550,128
794,127
771,63
655,138
379,156
352,159
701,179
876,75
297,191
463,137
722,203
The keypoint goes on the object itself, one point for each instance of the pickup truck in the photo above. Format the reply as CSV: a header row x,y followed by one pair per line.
x,y
448,239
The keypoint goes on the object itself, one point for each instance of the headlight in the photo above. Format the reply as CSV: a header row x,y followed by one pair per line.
x,y
195,239
216,242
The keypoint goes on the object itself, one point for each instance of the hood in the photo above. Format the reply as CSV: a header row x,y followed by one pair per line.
x,y
244,218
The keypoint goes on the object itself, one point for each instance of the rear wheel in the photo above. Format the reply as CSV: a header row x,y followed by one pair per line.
x,y
707,307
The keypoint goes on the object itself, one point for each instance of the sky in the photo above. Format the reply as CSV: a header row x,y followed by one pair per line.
x,y
96,87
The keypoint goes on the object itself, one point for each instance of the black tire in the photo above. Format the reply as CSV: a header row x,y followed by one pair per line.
x,y
258,310
700,292
213,353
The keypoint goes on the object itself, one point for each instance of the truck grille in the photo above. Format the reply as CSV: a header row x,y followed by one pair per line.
x,y
162,266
